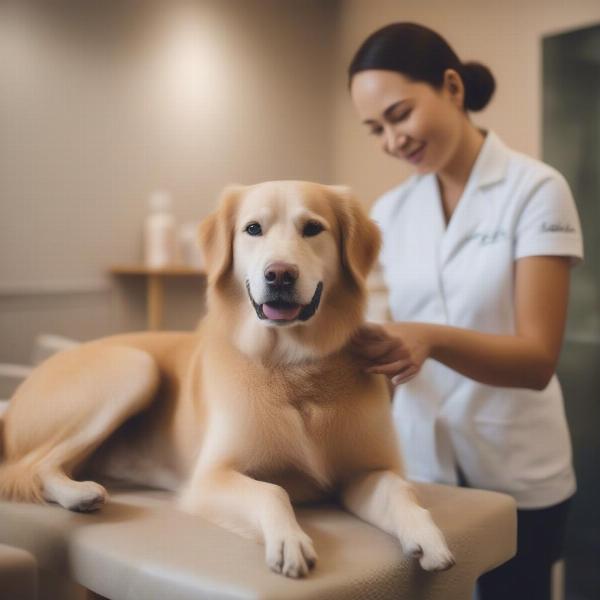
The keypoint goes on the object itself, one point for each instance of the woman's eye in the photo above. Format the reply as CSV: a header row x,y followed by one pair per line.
x,y
401,117
253,229
376,131
312,228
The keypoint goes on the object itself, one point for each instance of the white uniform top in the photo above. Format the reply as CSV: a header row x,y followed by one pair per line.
x,y
510,440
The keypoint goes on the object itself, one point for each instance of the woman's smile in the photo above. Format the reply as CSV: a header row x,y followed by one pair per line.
x,y
416,156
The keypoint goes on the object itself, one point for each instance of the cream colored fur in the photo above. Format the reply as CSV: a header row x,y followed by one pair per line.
x,y
246,415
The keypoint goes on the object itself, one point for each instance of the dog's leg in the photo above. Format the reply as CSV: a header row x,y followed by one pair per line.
x,y
255,509
386,500
102,391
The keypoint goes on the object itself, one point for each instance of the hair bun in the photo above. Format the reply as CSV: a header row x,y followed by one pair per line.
x,y
479,85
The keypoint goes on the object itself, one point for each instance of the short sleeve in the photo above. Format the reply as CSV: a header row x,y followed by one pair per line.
x,y
549,224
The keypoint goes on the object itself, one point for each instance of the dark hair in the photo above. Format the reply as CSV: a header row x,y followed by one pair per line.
x,y
422,55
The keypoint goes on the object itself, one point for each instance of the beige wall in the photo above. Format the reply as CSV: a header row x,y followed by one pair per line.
x,y
506,36
102,102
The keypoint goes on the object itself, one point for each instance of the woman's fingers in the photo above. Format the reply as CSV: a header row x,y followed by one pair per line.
x,y
400,371
405,376
377,350
391,369
383,354
370,332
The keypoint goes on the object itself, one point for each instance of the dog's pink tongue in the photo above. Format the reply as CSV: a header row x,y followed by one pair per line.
x,y
281,314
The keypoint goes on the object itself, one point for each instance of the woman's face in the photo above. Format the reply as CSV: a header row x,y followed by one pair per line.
x,y
412,120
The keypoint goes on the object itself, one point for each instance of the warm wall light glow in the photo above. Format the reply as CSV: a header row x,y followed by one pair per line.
x,y
191,70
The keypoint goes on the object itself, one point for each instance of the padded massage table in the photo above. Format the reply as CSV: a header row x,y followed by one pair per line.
x,y
139,547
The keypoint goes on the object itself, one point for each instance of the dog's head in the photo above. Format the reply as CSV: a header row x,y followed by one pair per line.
x,y
287,263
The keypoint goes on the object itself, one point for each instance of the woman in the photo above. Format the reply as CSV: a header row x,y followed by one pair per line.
x,y
477,251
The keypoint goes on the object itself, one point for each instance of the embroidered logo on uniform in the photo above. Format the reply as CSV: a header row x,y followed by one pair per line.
x,y
557,228
488,238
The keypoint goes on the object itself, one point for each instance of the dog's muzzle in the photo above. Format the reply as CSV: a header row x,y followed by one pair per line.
x,y
281,308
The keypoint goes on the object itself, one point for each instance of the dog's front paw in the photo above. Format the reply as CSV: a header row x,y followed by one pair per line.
x,y
89,496
427,544
437,558
291,554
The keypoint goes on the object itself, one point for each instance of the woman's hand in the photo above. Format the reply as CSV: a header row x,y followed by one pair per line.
x,y
397,350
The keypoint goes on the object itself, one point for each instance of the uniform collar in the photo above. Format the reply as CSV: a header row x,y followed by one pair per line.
x,y
492,161
490,165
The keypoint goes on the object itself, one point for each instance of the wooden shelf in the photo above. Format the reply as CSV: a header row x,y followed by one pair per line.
x,y
174,271
155,286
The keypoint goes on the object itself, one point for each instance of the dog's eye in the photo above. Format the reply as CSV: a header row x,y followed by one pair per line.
x,y
312,228
253,229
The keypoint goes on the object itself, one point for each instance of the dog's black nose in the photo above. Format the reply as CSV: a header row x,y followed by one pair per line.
x,y
280,274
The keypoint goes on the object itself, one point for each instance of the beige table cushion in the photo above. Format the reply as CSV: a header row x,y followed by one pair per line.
x,y
139,547
18,574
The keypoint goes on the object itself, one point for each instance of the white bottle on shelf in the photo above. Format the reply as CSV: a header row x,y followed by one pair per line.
x,y
160,236
189,246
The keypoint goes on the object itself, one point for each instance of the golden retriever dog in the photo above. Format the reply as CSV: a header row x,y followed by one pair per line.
x,y
262,407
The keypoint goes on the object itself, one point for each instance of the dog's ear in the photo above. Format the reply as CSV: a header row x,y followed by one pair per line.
x,y
216,235
360,239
